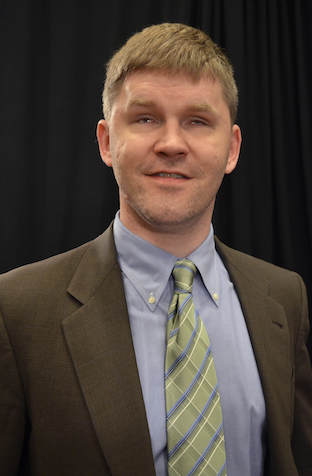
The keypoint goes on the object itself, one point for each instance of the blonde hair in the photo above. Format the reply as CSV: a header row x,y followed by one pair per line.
x,y
172,48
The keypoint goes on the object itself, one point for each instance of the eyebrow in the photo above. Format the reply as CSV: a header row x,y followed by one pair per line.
x,y
136,102
198,106
201,106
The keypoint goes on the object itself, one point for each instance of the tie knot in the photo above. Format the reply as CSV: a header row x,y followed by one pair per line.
x,y
183,273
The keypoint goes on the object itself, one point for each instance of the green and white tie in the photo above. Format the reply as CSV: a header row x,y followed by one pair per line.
x,y
195,439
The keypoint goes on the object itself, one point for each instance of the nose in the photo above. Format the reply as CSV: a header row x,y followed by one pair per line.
x,y
171,141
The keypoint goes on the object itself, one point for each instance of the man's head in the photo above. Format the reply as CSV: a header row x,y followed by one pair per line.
x,y
172,48
170,102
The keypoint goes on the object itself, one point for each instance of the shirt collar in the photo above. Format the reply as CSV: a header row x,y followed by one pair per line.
x,y
205,259
149,268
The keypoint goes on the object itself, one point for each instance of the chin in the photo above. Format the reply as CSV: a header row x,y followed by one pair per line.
x,y
168,221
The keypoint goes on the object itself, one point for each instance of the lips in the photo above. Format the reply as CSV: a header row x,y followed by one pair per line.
x,y
166,175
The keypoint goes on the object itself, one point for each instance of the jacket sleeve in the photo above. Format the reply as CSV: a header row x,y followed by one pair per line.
x,y
302,429
12,408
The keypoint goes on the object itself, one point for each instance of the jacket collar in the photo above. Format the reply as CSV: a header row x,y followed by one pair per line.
x,y
269,334
99,340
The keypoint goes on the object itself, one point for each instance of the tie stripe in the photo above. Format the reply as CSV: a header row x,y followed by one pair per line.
x,y
195,436
187,394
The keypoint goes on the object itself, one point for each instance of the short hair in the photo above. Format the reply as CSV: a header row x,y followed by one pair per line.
x,y
172,48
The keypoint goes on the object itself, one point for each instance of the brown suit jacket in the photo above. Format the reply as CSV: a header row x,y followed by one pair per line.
x,y
70,396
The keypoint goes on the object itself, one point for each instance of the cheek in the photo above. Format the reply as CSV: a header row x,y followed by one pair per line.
x,y
124,164
124,145
221,155
118,152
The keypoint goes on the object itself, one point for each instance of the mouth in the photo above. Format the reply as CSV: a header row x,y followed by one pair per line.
x,y
167,175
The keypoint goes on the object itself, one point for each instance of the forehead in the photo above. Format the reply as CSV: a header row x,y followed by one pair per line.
x,y
146,87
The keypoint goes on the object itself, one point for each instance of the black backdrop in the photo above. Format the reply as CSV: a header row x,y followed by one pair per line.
x,y
55,192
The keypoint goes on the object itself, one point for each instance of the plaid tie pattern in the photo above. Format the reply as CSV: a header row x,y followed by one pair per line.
x,y
195,440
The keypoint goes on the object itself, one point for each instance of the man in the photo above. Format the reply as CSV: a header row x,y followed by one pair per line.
x,y
83,334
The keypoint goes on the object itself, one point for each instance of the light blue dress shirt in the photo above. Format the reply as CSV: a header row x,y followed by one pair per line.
x,y
146,272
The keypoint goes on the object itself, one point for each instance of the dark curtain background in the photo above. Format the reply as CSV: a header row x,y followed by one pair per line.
x,y
55,192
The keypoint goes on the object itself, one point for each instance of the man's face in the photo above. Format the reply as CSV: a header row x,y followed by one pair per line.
x,y
170,141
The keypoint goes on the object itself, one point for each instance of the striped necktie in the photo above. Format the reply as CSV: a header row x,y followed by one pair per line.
x,y
195,440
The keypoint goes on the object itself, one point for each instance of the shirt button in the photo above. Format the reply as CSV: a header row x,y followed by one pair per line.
x,y
151,299
215,296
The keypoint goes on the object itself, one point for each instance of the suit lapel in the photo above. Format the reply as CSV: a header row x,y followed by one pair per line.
x,y
99,339
269,334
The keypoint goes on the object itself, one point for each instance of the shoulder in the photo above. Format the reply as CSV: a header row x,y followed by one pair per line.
x,y
273,280
44,293
59,269
250,264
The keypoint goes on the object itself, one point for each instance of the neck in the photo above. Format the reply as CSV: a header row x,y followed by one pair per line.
x,y
180,241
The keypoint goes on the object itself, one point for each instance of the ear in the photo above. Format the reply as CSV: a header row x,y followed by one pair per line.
x,y
236,141
102,133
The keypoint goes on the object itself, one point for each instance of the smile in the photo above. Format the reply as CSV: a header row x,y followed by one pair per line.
x,y
164,174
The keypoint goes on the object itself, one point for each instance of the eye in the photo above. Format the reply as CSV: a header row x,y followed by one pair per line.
x,y
145,120
196,121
